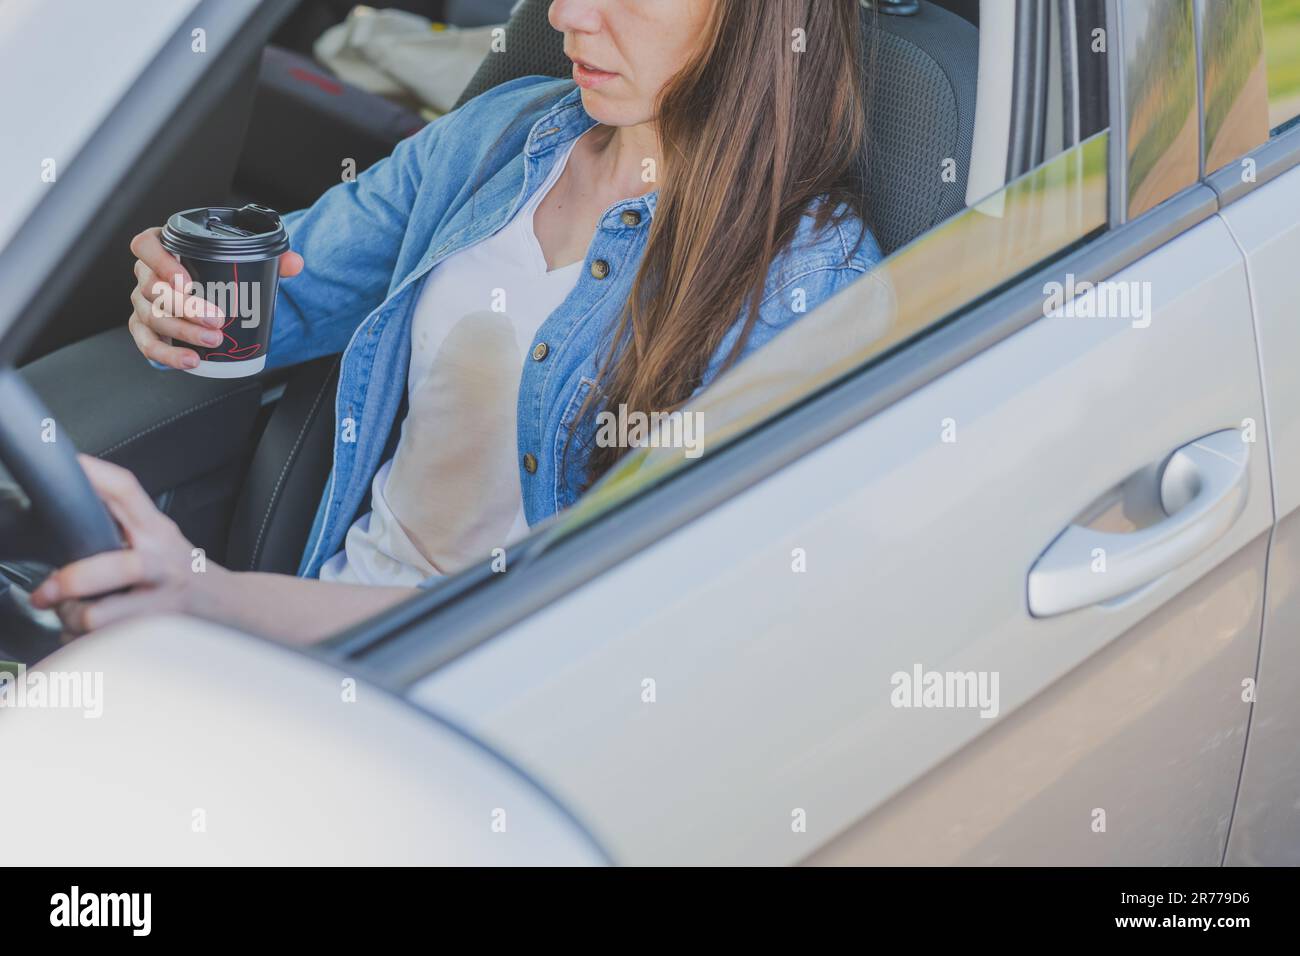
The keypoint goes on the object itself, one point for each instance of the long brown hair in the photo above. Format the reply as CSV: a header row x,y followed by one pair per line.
x,y
761,124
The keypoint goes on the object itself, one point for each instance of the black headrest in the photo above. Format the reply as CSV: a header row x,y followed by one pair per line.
x,y
922,70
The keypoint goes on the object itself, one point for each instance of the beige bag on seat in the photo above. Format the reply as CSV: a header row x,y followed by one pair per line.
x,y
404,56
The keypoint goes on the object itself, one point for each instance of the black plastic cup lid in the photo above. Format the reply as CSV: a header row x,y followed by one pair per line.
x,y
223,232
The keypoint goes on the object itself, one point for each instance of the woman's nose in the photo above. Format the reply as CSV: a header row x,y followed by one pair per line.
x,y
577,16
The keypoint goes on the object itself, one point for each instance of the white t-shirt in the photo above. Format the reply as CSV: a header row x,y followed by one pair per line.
x,y
450,493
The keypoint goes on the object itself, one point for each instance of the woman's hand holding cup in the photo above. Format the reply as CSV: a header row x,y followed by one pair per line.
x,y
163,316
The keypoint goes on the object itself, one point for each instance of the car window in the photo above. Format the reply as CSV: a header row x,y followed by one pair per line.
x,y
1160,133
1074,82
1234,94
1043,88
983,248
1282,60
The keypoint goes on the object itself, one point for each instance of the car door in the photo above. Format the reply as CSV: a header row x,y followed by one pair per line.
x,y
1260,192
974,570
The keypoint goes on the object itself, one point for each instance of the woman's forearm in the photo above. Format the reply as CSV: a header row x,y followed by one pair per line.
x,y
289,609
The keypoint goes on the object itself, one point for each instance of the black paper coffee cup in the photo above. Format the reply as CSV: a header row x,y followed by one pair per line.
x,y
233,258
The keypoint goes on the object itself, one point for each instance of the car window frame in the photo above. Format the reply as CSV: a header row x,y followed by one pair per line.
x,y
481,601
395,649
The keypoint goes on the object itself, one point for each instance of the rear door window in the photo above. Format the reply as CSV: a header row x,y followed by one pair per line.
x,y
1282,59
1234,87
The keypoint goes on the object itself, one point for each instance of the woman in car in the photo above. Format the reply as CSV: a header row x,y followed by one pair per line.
x,y
546,252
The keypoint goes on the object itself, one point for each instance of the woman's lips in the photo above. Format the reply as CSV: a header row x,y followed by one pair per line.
x,y
588,76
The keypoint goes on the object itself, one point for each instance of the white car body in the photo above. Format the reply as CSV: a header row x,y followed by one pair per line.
x,y
722,690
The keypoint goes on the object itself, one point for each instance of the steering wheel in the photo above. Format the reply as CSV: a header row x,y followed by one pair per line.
x,y
52,516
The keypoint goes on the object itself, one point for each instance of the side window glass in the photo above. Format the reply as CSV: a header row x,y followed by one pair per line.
x,y
1282,60
1234,96
1159,140
1043,87
1060,127
1075,42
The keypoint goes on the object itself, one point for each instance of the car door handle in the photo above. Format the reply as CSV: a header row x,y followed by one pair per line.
x,y
1203,489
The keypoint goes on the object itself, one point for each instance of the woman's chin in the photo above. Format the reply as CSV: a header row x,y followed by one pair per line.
x,y
609,111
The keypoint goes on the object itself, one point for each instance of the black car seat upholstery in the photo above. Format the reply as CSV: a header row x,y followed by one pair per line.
x,y
922,71
286,478
922,112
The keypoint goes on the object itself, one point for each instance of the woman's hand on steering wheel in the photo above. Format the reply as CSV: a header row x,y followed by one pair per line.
x,y
158,571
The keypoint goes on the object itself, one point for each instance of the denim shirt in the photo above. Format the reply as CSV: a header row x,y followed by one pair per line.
x,y
369,244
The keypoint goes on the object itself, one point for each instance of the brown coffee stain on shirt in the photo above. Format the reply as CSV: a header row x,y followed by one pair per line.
x,y
454,485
